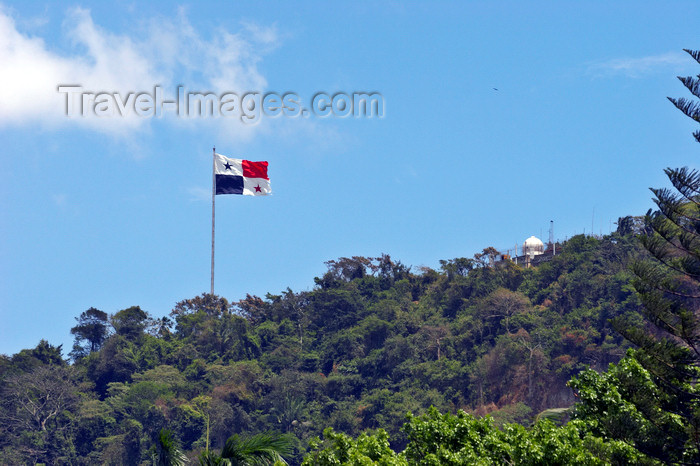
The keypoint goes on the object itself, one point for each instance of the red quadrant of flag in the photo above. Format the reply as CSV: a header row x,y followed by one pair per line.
x,y
255,169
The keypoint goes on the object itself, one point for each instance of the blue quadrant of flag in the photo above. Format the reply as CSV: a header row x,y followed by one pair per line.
x,y
228,184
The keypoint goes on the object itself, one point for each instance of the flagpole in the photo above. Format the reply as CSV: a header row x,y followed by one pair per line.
x,y
213,211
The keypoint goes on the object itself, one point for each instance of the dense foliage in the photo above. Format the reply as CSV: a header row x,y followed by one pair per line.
x,y
436,439
369,342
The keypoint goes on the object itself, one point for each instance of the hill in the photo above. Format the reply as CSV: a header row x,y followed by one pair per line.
x,y
372,340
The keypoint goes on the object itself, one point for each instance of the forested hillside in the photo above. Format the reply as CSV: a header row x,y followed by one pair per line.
x,y
372,340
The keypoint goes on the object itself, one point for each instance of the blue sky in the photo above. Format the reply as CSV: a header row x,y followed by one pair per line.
x,y
115,211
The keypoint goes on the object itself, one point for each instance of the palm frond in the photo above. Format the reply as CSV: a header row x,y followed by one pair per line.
x,y
209,458
168,451
258,450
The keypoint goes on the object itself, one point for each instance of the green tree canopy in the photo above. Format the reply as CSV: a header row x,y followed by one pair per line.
x,y
130,323
90,333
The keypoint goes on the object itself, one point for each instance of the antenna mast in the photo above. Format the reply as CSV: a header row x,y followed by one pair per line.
x,y
551,238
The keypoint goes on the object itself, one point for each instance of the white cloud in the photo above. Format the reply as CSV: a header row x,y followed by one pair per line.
x,y
171,52
636,67
29,77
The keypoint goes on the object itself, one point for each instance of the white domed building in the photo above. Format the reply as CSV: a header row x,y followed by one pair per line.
x,y
533,252
532,247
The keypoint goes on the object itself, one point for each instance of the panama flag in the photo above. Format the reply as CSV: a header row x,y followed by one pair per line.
x,y
235,176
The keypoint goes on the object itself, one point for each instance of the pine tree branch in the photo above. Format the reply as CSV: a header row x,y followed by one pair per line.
x,y
689,107
691,83
693,53
671,266
686,181
660,250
